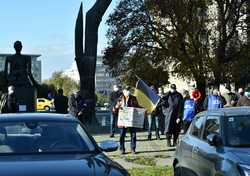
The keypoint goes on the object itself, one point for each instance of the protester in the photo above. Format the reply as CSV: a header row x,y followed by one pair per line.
x,y
115,94
230,97
240,93
244,99
77,106
196,94
127,100
11,101
161,116
214,101
189,110
153,118
172,106
61,102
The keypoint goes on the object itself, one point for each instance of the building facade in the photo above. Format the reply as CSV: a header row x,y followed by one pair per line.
x,y
36,66
103,80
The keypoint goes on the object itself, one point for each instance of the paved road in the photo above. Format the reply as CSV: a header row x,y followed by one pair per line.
x,y
155,148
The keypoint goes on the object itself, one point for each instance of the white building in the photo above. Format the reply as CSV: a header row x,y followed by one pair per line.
x,y
103,80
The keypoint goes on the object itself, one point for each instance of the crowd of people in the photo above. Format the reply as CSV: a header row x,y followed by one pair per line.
x,y
175,110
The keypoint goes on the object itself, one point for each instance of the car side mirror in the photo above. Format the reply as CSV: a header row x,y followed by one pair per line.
x,y
108,146
214,140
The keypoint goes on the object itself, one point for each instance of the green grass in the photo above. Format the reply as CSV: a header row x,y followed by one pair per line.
x,y
152,171
142,160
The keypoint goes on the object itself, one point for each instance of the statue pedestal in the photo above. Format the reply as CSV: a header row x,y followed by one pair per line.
x,y
26,98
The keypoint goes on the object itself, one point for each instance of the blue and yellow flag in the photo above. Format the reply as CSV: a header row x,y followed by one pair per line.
x,y
146,97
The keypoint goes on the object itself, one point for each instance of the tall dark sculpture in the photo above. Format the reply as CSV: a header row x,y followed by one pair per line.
x,y
86,57
18,74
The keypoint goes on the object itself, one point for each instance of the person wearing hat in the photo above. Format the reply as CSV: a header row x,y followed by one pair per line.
x,y
172,107
127,100
114,95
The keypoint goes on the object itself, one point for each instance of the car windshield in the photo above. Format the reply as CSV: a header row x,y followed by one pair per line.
x,y
43,137
238,131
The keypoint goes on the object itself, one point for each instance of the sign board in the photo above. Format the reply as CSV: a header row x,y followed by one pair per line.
x,y
22,108
131,117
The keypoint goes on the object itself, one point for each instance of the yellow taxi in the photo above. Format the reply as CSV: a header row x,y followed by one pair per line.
x,y
44,104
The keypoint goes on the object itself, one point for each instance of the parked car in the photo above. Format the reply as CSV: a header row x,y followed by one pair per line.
x,y
44,104
52,145
216,144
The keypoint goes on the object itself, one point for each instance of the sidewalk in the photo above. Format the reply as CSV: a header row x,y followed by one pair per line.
x,y
156,150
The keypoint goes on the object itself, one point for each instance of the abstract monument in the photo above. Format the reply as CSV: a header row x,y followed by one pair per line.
x,y
86,56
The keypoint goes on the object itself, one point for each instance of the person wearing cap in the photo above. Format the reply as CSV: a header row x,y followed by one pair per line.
x,y
172,107
214,101
127,100
114,95
245,99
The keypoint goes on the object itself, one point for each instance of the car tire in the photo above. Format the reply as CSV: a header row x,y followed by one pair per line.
x,y
47,108
177,172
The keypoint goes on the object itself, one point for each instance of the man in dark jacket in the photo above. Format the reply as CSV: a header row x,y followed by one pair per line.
x,y
127,100
77,106
115,94
61,102
172,107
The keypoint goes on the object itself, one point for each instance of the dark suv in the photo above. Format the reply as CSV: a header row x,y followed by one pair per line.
x,y
217,143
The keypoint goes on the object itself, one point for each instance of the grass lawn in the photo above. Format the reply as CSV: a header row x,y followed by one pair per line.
x,y
152,171
142,160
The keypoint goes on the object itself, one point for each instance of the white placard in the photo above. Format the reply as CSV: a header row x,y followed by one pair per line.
x,y
131,117
22,108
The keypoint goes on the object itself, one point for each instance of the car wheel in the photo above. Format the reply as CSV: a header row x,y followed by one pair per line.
x,y
47,108
177,172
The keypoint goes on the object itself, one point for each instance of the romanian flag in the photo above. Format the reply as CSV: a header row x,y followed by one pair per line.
x,y
146,97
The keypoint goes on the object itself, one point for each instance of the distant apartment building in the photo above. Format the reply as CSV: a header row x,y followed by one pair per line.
x,y
103,80
36,66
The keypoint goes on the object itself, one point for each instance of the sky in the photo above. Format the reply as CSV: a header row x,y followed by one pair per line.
x,y
46,27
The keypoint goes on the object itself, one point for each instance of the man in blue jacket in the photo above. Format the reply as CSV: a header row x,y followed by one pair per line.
x,y
189,110
214,101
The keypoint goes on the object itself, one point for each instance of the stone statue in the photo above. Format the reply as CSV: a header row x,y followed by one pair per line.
x,y
18,73
18,69
86,57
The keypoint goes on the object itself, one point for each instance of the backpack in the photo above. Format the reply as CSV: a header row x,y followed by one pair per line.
x,y
3,103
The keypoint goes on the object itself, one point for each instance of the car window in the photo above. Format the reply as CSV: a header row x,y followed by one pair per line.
x,y
197,126
43,137
237,131
212,125
41,101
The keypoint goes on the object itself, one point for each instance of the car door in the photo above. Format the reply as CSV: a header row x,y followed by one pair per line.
x,y
206,156
188,143
40,104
